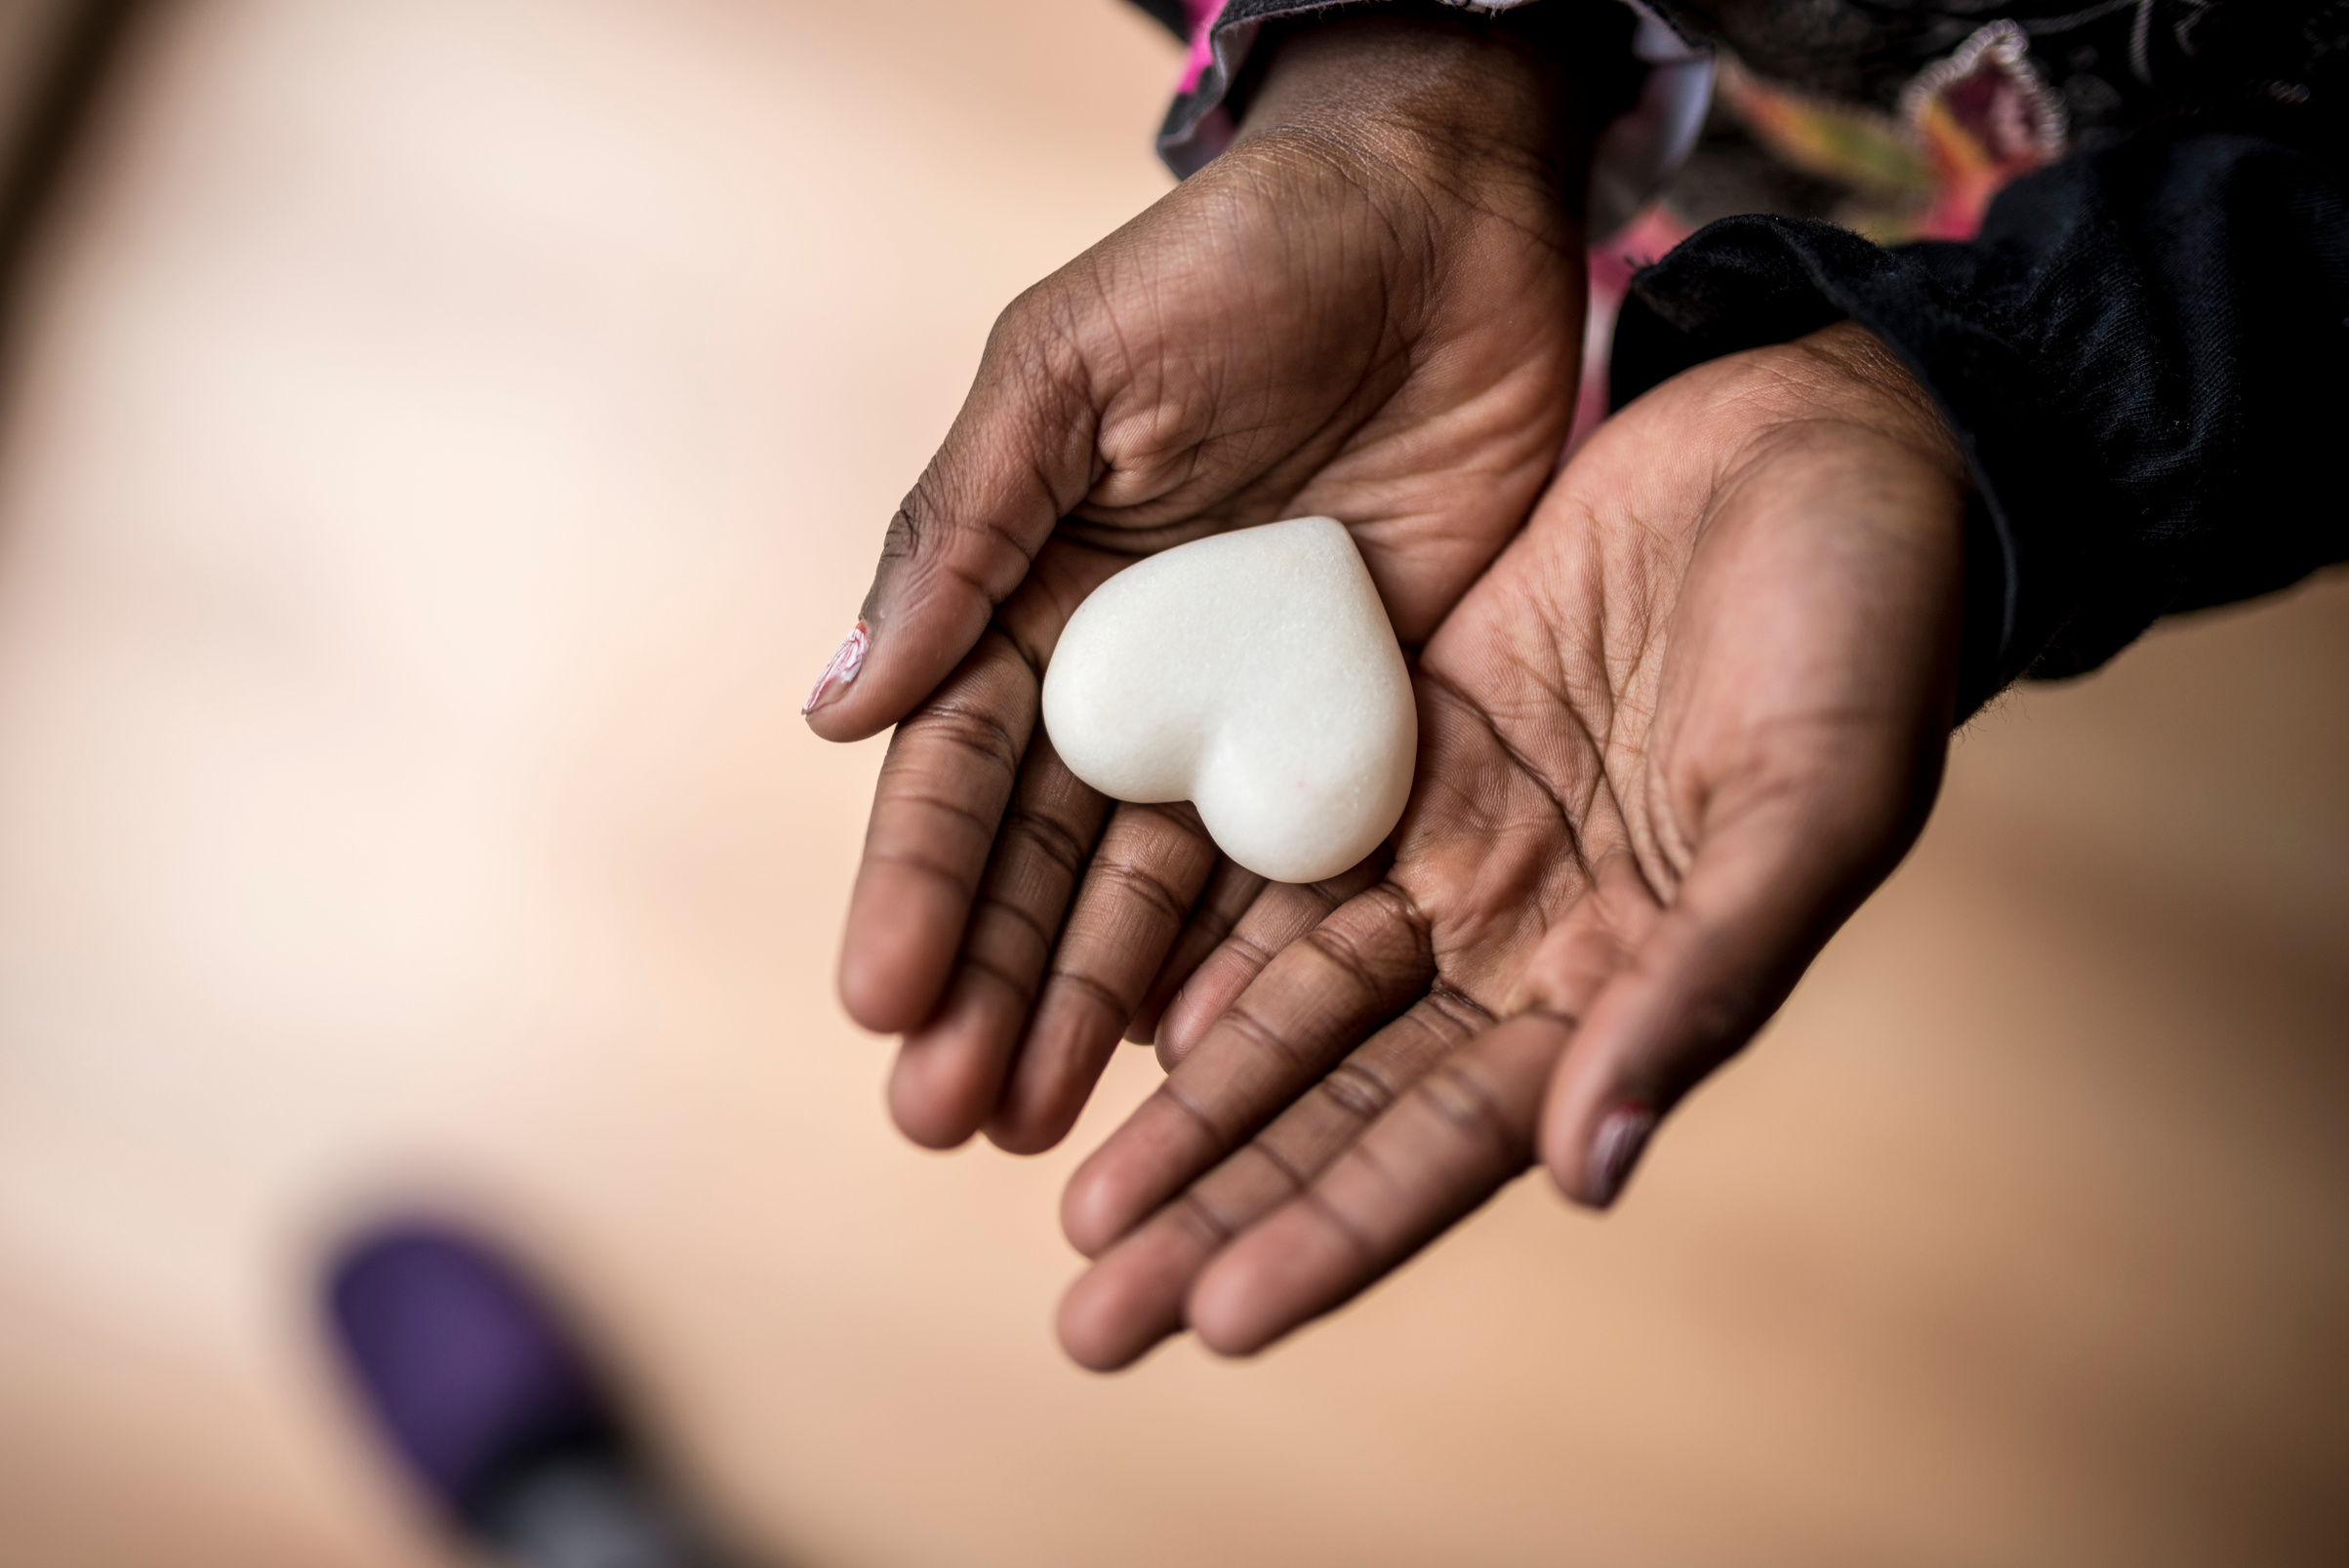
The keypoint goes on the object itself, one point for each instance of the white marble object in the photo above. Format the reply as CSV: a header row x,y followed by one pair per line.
x,y
1254,674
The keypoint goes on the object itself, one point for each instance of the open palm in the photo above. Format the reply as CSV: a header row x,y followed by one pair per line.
x,y
1372,315
1690,718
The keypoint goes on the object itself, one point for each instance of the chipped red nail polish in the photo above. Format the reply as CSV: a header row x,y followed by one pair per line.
x,y
1614,1150
846,661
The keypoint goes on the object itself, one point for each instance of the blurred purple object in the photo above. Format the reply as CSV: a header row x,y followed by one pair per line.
x,y
468,1371
497,1409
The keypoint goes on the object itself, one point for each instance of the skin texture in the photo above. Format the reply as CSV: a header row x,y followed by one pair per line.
x,y
1670,739
1689,720
1369,306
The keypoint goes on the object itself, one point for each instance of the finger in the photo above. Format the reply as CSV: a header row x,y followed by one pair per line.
x,y
1763,892
941,794
1147,874
1133,1297
1462,1133
1230,893
1019,455
949,1071
1283,912
1314,1002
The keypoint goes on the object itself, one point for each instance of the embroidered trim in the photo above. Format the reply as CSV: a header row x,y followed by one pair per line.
x,y
2041,128
1968,125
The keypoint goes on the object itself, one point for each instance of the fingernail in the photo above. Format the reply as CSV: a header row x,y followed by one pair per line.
x,y
846,661
1614,1151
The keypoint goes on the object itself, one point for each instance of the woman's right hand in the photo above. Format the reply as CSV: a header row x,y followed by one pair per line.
x,y
1689,719
1370,306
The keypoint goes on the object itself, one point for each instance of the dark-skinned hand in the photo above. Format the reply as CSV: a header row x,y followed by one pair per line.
x,y
1369,306
1688,720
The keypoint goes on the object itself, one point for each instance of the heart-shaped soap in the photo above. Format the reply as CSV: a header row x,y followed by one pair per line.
x,y
1254,674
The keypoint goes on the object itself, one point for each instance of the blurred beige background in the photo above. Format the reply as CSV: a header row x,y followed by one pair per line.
x,y
443,440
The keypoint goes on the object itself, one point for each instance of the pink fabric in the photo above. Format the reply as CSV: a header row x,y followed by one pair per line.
x,y
1203,15
1612,263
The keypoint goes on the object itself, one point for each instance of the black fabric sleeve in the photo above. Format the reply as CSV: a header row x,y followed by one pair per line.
x,y
1170,16
2145,354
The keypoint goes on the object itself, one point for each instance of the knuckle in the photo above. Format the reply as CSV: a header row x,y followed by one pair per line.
x,y
1035,334
902,539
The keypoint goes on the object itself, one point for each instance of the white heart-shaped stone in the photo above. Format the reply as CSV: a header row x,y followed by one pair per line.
x,y
1254,674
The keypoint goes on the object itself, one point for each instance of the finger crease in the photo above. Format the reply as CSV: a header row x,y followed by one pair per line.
x,y
1148,888
1341,1223
1012,541
978,732
1254,1029
1463,1013
996,903
1050,837
1359,1092
979,586
951,808
1086,984
1343,953
1213,1225
1024,990
1180,1098
962,882
1462,1098
1259,951
1289,1173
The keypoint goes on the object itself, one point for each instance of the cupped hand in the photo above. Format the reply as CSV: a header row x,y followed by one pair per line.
x,y
1370,306
1693,716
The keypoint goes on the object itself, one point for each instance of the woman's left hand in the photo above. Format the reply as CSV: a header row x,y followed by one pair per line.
x,y
1371,307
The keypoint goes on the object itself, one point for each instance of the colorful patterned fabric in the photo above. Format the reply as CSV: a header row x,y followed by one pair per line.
x,y
2118,232
1908,117
1635,154
1966,125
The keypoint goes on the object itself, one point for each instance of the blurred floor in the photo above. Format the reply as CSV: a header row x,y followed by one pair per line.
x,y
446,438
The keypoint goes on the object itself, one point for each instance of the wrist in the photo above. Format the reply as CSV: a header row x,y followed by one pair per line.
x,y
1903,408
1434,94
1866,382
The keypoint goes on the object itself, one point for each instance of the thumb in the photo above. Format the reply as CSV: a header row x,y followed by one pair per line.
x,y
1019,456
1762,895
